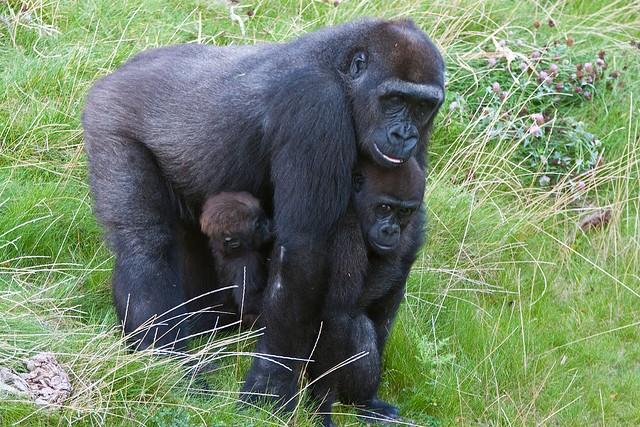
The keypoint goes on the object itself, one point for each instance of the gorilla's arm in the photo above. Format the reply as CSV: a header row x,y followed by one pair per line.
x,y
386,281
310,128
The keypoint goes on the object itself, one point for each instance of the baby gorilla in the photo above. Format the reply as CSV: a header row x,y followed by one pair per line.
x,y
377,244
240,240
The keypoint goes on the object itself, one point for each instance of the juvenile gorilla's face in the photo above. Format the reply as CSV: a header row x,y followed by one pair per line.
x,y
240,236
387,220
236,243
240,254
397,87
386,201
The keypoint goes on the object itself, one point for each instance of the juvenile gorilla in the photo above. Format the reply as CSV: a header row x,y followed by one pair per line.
x,y
377,240
239,238
285,122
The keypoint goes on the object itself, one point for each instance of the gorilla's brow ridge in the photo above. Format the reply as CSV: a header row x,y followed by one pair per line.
x,y
418,90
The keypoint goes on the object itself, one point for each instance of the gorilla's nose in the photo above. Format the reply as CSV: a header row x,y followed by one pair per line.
x,y
403,137
389,234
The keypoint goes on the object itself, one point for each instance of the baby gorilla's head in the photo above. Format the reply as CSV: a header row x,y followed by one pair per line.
x,y
386,200
239,237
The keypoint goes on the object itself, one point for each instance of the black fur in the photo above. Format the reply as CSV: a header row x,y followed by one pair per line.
x,y
284,122
365,290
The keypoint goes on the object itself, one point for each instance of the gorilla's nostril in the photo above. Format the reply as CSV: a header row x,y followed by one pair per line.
x,y
389,231
396,135
402,133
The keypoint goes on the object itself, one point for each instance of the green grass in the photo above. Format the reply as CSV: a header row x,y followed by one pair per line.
x,y
513,315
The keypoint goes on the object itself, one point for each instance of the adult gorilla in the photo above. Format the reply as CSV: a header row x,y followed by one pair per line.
x,y
284,122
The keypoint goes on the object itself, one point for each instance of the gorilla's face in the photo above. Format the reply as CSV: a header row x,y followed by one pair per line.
x,y
386,200
397,86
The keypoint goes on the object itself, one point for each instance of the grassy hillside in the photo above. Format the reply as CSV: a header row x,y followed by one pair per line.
x,y
515,315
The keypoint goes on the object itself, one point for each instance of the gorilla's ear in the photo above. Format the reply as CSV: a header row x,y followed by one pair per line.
x,y
358,182
309,126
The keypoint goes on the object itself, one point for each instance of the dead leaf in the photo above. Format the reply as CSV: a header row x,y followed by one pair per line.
x,y
594,220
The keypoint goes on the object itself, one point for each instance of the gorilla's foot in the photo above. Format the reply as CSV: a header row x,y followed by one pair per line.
x,y
270,383
379,411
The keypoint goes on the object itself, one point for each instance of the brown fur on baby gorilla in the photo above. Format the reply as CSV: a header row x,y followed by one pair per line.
x,y
240,240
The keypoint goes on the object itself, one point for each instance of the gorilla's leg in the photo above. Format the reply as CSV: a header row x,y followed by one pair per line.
x,y
347,363
382,313
291,313
137,209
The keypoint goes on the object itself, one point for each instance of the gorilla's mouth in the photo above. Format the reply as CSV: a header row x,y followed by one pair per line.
x,y
382,248
389,159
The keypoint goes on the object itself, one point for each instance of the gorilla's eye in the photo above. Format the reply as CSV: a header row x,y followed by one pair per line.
x,y
394,104
424,111
358,64
231,243
405,211
383,210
